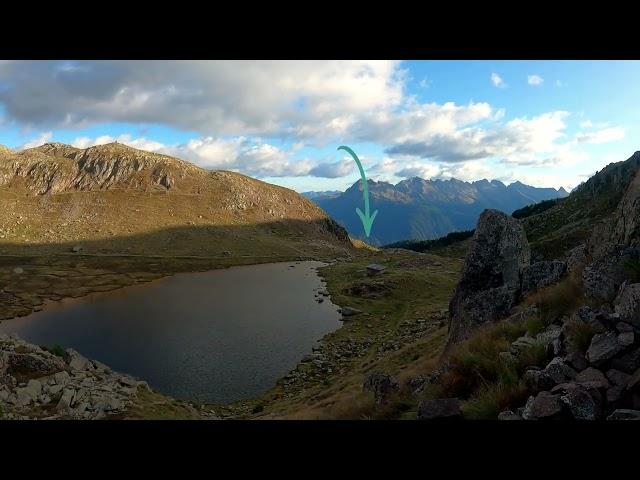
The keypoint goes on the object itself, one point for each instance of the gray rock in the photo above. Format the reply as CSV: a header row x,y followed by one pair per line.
x,y
350,311
628,363
617,377
18,271
593,376
608,272
37,364
576,258
624,414
55,389
490,281
508,415
375,269
521,344
559,371
624,327
77,249
543,406
577,361
541,274
439,409
580,404
626,339
30,393
77,361
604,346
66,399
61,378
549,334
537,380
381,385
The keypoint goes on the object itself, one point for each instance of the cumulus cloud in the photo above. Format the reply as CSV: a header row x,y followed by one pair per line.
x,y
232,104
44,137
497,80
601,136
333,170
519,140
535,80
298,98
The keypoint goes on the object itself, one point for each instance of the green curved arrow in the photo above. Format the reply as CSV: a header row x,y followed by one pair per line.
x,y
367,220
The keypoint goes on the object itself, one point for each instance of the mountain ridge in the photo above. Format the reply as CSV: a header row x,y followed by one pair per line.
x,y
109,190
419,209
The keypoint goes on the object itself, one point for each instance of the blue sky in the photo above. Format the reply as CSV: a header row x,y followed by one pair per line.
x,y
546,123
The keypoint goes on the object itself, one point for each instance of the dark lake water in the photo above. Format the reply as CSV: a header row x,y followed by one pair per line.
x,y
214,336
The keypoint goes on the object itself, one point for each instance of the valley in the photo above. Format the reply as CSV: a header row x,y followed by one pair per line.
x,y
515,322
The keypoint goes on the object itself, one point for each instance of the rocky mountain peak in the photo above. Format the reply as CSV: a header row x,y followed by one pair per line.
x,y
57,167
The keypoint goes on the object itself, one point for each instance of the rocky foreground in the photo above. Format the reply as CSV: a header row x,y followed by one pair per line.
x,y
38,384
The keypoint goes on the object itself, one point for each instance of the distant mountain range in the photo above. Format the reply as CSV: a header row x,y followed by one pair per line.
x,y
421,209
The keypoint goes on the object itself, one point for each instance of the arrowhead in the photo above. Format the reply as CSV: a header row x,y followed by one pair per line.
x,y
367,222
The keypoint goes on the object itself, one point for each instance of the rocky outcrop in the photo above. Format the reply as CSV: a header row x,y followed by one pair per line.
x,y
56,167
542,274
603,278
492,274
592,386
35,383
624,228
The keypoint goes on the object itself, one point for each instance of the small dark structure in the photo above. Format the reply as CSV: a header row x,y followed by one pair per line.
x,y
77,249
375,269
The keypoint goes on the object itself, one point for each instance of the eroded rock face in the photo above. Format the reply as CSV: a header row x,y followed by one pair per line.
x,y
491,278
625,228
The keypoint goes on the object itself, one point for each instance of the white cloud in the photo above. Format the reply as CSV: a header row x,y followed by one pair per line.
x,y
425,83
43,138
333,170
601,136
535,80
303,99
520,141
497,81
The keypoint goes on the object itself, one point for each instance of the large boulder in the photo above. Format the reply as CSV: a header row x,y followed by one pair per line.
x,y
543,406
604,346
381,385
627,303
492,274
541,274
603,278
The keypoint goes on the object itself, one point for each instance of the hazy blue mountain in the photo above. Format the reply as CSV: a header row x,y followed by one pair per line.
x,y
425,209
321,195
